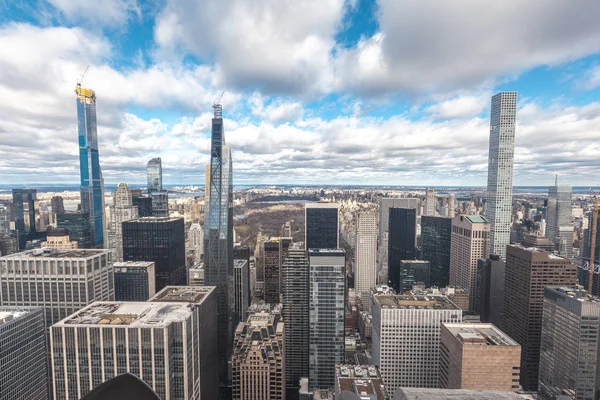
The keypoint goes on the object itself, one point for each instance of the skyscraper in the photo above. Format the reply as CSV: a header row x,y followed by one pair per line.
x,y
92,195
154,172
122,210
23,337
365,254
436,233
27,214
159,240
401,243
196,240
412,272
218,238
491,278
382,238
469,244
430,202
528,271
559,228
326,318
451,205
322,225
500,170
570,345
241,278
134,280
4,220
77,224
295,296
57,205
271,263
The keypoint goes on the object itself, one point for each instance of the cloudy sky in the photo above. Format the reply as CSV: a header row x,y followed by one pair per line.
x,y
316,91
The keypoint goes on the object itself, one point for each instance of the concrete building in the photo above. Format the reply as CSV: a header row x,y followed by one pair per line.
x,y
196,240
430,202
321,222
540,242
559,228
196,274
241,287
60,281
406,337
569,365
365,253
168,342
4,220
491,278
436,235
258,358
8,245
362,380
478,357
500,171
451,205
122,210
413,272
60,242
469,243
528,271
134,280
327,280
22,353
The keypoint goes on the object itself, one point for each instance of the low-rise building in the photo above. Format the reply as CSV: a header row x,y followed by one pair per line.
x,y
362,380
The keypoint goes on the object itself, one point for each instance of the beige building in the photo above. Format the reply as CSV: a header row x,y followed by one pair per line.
x,y
478,357
258,358
469,242
60,242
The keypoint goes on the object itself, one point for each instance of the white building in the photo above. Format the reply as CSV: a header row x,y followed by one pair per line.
x,y
122,210
429,208
196,240
365,250
451,205
406,333
500,170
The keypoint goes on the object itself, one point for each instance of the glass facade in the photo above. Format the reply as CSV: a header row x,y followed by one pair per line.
x,y
401,241
154,172
26,210
78,226
144,205
322,230
413,272
436,233
133,283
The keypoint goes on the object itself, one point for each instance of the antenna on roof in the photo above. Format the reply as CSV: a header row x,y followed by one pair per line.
x,y
218,109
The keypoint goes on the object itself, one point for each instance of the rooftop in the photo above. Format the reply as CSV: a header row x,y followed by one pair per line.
x,y
453,394
538,250
577,293
198,265
326,251
137,264
476,219
237,263
364,380
420,302
479,334
182,294
153,219
8,314
321,204
56,253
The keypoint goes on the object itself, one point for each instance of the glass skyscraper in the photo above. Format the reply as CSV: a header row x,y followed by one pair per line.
x,y
154,171
401,241
435,247
559,228
322,226
218,239
92,196
27,214
500,170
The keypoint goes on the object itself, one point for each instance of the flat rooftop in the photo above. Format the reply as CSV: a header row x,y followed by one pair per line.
x,y
397,301
198,265
575,293
153,219
136,264
479,334
182,294
326,251
538,250
237,263
8,314
56,253
476,219
137,314
363,380
453,394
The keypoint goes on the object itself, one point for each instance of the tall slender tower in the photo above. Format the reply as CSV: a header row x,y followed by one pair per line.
x,y
558,222
366,254
122,210
218,239
92,195
154,172
429,202
500,170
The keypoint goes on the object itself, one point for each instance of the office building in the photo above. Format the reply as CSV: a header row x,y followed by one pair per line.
x,y
4,220
540,242
469,243
168,342
406,337
27,214
160,204
218,237
258,358
327,273
478,357
241,287
454,394
8,245
382,238
570,345
401,241
583,273
92,192
451,205
500,171
57,205
154,174
159,240
559,228
60,281
321,225
59,239
528,271
365,254
196,274
122,210
196,240
413,272
295,299
286,229
143,204
430,202
77,225
271,263
436,234
491,278
23,338
362,380
134,280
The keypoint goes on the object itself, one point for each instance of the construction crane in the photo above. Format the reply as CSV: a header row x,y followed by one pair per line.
x,y
218,109
594,227
82,76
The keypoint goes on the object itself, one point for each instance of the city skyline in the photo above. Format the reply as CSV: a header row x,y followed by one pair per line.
x,y
343,95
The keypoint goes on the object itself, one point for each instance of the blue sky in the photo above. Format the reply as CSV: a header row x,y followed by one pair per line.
x,y
329,91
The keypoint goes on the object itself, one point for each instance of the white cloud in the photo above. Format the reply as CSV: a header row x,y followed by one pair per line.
x,y
277,111
459,107
105,12
592,79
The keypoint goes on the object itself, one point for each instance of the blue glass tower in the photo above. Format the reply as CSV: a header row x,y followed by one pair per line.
x,y
92,196
218,240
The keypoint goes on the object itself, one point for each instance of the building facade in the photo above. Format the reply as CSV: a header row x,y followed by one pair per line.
x,y
271,255
327,282
241,284
500,170
469,243
322,229
559,228
92,193
362,380
154,175
478,357
60,281
401,241
27,213
23,336
158,240
134,280
570,345
122,210
436,234
491,278
259,359
168,342
196,240
413,272
430,202
365,258
77,225
406,337
528,271
4,220
60,242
